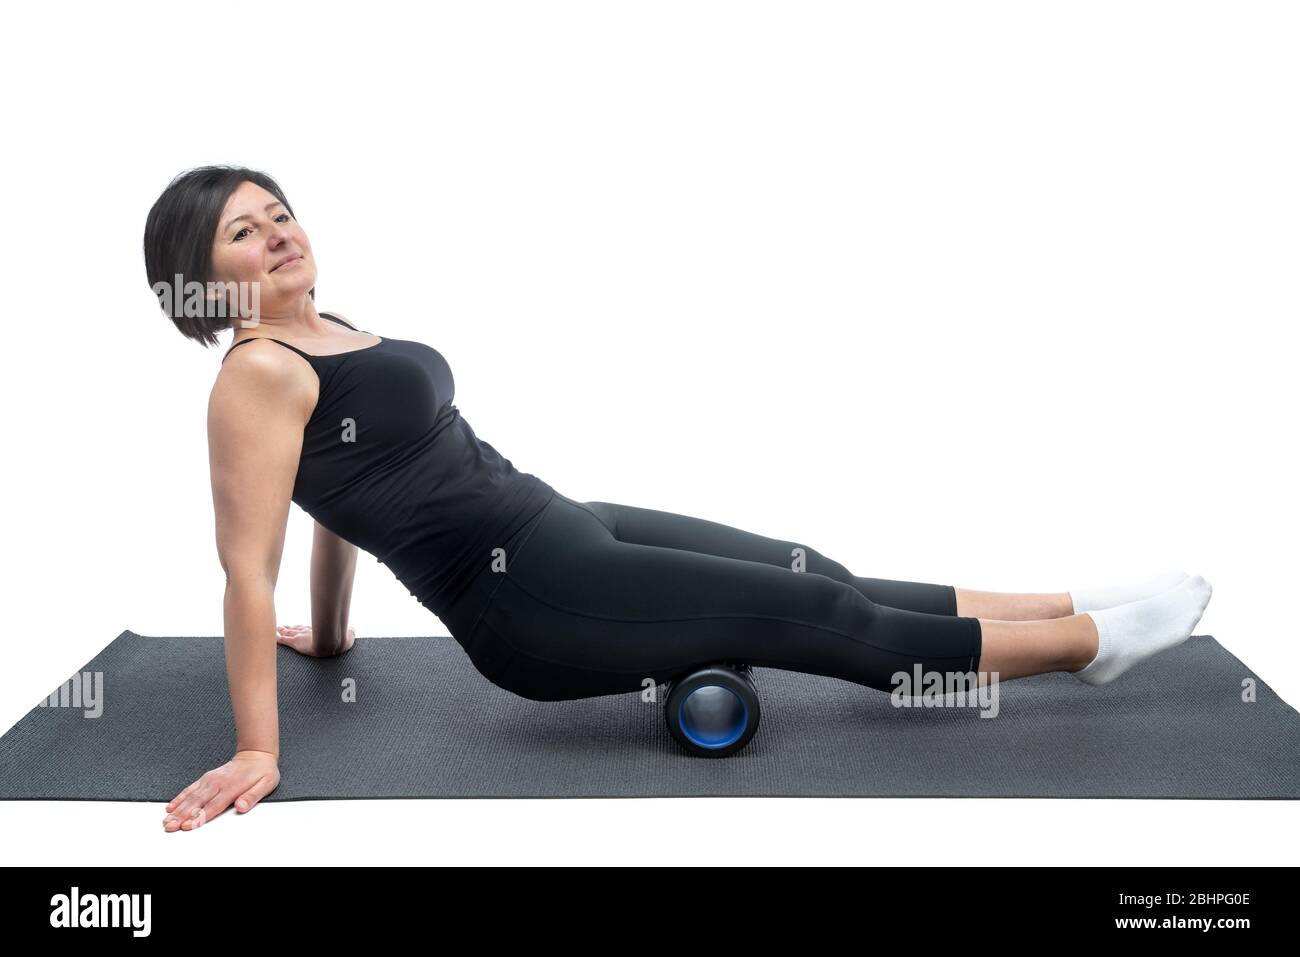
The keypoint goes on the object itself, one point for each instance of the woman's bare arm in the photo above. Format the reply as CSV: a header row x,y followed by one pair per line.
x,y
256,413
333,570
259,405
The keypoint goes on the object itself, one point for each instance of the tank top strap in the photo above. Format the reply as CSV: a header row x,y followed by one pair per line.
x,y
305,355
341,322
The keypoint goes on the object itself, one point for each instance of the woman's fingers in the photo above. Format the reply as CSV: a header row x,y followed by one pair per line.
x,y
206,811
297,637
172,803
193,797
184,797
249,798
301,640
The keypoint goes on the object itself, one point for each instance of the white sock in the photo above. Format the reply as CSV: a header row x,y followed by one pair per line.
x,y
1086,599
1133,632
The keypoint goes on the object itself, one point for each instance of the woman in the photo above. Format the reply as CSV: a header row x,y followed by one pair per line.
x,y
552,599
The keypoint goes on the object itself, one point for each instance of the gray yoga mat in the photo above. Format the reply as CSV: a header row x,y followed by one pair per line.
x,y
425,724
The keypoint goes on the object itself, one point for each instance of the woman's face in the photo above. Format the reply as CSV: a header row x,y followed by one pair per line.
x,y
259,241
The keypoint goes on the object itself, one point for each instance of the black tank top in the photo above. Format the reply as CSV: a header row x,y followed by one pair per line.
x,y
389,464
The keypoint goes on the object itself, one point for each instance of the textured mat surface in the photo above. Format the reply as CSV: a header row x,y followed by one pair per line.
x,y
411,718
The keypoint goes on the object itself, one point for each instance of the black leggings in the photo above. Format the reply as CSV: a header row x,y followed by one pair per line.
x,y
594,598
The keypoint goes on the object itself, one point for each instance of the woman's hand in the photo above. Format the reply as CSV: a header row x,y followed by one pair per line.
x,y
245,779
299,638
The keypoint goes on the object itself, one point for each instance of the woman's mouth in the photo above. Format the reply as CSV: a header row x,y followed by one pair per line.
x,y
288,263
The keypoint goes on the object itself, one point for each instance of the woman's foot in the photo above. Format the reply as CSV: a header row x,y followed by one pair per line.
x,y
1042,606
1133,632
1087,599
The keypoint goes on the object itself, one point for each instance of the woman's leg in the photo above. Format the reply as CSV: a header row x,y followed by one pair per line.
x,y
1017,649
645,526
1014,606
579,613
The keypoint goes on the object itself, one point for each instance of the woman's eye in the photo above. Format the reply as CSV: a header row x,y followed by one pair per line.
x,y
235,238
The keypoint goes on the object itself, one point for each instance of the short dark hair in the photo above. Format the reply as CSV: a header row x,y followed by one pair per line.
x,y
178,239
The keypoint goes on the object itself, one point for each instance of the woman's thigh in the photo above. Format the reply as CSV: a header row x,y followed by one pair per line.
x,y
647,526
580,613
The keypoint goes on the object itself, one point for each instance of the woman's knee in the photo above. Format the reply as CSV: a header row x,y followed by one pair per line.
x,y
804,558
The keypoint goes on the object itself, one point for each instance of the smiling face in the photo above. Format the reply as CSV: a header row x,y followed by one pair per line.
x,y
259,241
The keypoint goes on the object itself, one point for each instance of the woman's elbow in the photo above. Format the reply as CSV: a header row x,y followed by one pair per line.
x,y
251,581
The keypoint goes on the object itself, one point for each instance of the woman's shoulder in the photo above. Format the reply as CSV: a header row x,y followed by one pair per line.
x,y
264,371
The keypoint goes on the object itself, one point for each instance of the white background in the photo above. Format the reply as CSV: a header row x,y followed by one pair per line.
x,y
1001,295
